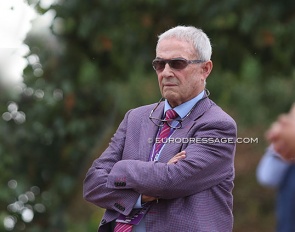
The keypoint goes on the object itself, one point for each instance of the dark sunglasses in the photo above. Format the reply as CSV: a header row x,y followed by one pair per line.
x,y
177,63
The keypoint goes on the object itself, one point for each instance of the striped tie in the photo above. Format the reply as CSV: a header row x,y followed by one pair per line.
x,y
122,227
165,132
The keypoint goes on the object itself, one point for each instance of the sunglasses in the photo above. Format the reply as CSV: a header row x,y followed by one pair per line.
x,y
177,63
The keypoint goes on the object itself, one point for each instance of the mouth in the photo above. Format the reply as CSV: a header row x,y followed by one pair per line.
x,y
169,85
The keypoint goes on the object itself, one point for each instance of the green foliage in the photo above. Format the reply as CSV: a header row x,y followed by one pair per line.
x,y
81,81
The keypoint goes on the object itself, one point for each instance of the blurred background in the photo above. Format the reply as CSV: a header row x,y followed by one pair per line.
x,y
69,71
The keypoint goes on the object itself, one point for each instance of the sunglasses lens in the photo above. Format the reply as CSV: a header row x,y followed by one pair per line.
x,y
178,64
174,63
158,64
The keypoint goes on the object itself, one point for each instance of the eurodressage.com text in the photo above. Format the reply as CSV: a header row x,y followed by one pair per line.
x,y
209,140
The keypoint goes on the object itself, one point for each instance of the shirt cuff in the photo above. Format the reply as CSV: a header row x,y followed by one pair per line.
x,y
138,203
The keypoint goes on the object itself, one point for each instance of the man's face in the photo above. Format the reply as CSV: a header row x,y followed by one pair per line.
x,y
179,86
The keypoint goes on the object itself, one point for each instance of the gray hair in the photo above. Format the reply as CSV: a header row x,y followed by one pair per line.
x,y
193,35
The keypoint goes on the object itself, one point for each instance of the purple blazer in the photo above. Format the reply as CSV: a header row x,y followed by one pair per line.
x,y
195,194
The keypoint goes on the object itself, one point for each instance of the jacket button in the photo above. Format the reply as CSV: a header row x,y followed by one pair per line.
x,y
120,184
120,207
103,221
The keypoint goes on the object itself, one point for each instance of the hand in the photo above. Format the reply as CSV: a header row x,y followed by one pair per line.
x,y
282,135
177,157
145,198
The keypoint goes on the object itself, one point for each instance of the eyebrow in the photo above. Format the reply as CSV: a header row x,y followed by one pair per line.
x,y
170,58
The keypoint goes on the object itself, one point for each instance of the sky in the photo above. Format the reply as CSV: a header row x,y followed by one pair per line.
x,y
16,20
15,23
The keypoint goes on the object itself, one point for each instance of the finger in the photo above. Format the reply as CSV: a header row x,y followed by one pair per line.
x,y
292,111
173,161
273,132
145,198
180,154
180,157
284,119
177,157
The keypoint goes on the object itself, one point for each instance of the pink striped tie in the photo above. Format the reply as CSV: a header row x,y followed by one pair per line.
x,y
122,227
165,131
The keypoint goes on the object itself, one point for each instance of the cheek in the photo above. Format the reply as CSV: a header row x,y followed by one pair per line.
x,y
160,84
190,85
160,80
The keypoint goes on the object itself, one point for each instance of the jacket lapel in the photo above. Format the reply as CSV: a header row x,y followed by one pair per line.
x,y
171,149
149,132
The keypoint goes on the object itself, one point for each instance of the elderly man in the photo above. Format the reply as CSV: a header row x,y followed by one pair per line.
x,y
170,166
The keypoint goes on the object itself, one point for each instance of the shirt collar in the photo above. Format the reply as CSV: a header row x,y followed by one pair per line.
x,y
185,107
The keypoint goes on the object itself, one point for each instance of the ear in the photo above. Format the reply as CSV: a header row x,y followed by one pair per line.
x,y
207,68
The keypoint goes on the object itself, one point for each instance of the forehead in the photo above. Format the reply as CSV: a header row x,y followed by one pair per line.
x,y
172,48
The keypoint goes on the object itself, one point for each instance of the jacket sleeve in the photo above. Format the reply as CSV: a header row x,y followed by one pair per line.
x,y
271,169
94,186
207,164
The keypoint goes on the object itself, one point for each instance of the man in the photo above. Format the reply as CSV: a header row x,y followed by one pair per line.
x,y
170,170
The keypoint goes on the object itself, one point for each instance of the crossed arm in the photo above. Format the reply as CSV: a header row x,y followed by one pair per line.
x,y
179,156
201,167
94,187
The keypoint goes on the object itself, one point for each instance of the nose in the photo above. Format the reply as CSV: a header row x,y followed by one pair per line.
x,y
166,70
167,65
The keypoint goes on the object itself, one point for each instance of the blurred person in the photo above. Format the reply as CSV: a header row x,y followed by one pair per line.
x,y
156,174
277,169
277,173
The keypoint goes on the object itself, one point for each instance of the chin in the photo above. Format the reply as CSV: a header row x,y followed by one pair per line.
x,y
169,95
172,99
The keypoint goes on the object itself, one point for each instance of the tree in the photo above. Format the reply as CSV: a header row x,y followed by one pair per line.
x,y
80,82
